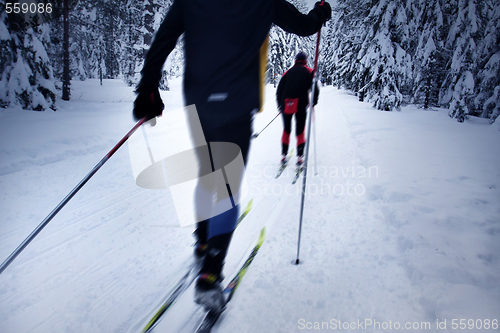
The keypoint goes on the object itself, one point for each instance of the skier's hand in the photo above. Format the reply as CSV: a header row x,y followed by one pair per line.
x,y
324,10
148,104
315,95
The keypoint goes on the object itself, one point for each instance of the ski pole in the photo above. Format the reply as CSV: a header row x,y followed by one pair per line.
x,y
56,210
315,81
315,145
257,134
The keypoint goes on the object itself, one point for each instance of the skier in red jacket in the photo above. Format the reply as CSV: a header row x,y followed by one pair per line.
x,y
223,78
292,97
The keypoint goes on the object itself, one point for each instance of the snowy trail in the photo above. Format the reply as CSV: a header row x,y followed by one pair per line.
x,y
341,247
91,255
402,223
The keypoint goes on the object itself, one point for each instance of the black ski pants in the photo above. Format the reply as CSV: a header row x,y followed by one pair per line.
x,y
300,124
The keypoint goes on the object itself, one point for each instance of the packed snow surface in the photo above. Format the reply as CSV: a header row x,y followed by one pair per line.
x,y
400,233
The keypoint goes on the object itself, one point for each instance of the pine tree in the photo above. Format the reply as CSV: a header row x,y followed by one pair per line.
x,y
27,77
326,50
278,52
487,100
459,84
7,56
284,46
383,60
371,41
131,57
110,21
43,95
153,14
429,67
343,43
86,40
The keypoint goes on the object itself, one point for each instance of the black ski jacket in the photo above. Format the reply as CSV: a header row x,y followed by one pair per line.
x,y
295,83
222,43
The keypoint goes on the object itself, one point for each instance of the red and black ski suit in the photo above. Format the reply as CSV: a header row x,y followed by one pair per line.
x,y
292,97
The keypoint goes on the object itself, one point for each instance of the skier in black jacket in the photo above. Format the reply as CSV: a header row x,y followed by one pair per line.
x,y
292,97
224,76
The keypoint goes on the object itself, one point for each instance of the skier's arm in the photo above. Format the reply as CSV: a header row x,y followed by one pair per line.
x,y
164,42
291,20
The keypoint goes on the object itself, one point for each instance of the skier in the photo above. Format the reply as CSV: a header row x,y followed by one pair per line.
x,y
292,97
225,60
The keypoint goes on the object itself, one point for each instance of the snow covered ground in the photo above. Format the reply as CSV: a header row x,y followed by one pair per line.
x,y
401,228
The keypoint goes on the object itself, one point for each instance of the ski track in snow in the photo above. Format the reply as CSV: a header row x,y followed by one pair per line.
x,y
401,222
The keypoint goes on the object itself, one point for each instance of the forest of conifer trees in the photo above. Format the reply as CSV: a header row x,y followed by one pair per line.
x,y
433,53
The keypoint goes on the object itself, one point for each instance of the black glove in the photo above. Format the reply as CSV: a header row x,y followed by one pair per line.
x,y
315,95
323,10
148,104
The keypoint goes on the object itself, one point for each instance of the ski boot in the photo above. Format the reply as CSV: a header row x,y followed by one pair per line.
x,y
283,160
208,292
208,289
201,245
300,160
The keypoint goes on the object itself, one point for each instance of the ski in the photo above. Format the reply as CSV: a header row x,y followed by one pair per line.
x,y
284,165
212,316
184,283
281,169
209,321
297,173
245,212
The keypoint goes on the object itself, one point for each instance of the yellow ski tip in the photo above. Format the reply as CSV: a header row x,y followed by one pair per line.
x,y
249,206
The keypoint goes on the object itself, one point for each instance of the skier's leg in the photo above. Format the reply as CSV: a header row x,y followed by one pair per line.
x,y
285,137
221,227
200,234
203,199
239,134
227,145
300,118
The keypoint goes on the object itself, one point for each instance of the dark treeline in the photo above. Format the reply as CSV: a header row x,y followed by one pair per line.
x,y
433,53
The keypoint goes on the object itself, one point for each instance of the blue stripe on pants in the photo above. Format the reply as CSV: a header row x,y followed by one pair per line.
x,y
223,223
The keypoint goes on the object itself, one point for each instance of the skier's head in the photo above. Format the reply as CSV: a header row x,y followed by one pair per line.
x,y
301,57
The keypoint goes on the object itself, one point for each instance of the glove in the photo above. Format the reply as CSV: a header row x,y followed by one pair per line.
x,y
323,10
315,95
148,104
